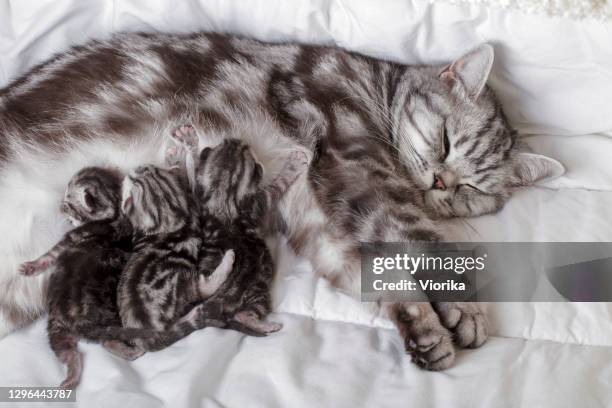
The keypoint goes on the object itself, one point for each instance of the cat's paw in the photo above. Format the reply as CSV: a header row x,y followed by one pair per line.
x,y
466,320
36,267
186,135
428,342
253,322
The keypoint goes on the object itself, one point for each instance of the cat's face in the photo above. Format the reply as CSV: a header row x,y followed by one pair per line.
x,y
156,201
226,175
458,146
93,194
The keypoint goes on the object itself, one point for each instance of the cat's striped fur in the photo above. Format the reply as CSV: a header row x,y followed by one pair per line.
x,y
233,204
395,146
87,265
163,280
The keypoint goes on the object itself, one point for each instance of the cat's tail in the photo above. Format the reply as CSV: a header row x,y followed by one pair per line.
x,y
148,339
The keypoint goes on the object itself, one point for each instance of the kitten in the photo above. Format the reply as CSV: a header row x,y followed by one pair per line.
x,y
88,262
233,202
161,281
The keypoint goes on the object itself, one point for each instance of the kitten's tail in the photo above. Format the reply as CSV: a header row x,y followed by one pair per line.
x,y
151,339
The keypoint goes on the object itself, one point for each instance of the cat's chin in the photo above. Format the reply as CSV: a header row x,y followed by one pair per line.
x,y
439,204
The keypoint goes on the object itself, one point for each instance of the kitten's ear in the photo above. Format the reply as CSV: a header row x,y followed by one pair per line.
x,y
89,201
204,154
258,174
471,71
530,168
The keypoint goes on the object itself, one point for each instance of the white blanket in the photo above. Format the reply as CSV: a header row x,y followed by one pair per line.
x,y
554,76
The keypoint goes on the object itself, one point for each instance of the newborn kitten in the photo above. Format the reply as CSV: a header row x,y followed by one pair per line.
x,y
161,280
82,293
232,203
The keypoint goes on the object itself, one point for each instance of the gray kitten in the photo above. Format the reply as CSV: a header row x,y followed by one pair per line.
x,y
162,280
396,147
233,204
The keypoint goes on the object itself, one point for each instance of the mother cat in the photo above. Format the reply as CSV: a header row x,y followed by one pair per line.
x,y
394,148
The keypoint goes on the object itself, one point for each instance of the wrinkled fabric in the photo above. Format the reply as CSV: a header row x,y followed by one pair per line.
x,y
554,77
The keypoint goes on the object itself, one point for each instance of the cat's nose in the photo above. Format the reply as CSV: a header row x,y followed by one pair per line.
x,y
444,180
438,183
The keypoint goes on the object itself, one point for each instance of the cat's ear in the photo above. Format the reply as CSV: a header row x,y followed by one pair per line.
x,y
470,71
258,173
204,154
88,201
530,168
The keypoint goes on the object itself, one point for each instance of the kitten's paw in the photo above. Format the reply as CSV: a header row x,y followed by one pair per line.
x,y
466,320
426,340
253,322
186,135
36,267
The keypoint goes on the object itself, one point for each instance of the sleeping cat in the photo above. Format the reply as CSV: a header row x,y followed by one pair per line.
x,y
87,263
233,203
396,147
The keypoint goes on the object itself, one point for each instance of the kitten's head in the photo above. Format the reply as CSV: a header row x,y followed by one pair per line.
x,y
226,175
93,194
456,142
156,201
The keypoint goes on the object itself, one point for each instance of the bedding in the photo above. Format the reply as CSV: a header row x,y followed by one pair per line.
x,y
554,76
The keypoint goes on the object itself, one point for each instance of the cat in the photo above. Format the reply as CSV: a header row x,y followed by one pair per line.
x,y
227,185
87,264
163,278
395,147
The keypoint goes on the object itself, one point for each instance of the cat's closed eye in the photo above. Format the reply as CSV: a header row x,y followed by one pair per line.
x,y
446,144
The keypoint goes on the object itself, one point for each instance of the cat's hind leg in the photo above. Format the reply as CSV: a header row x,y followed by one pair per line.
x,y
64,345
252,321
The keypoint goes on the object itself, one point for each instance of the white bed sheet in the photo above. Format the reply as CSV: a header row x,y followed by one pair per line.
x,y
555,78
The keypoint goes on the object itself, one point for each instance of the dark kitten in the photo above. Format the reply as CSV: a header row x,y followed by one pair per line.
x,y
233,204
82,294
161,281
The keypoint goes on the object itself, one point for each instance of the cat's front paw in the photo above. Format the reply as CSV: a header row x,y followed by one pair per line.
x,y
429,343
36,267
466,320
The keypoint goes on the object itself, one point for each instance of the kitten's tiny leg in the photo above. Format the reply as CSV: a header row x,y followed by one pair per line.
x,y
251,320
121,349
466,320
295,165
38,266
64,345
47,260
186,135
183,152
209,285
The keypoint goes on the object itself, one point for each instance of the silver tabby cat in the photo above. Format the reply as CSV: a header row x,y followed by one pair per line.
x,y
396,147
